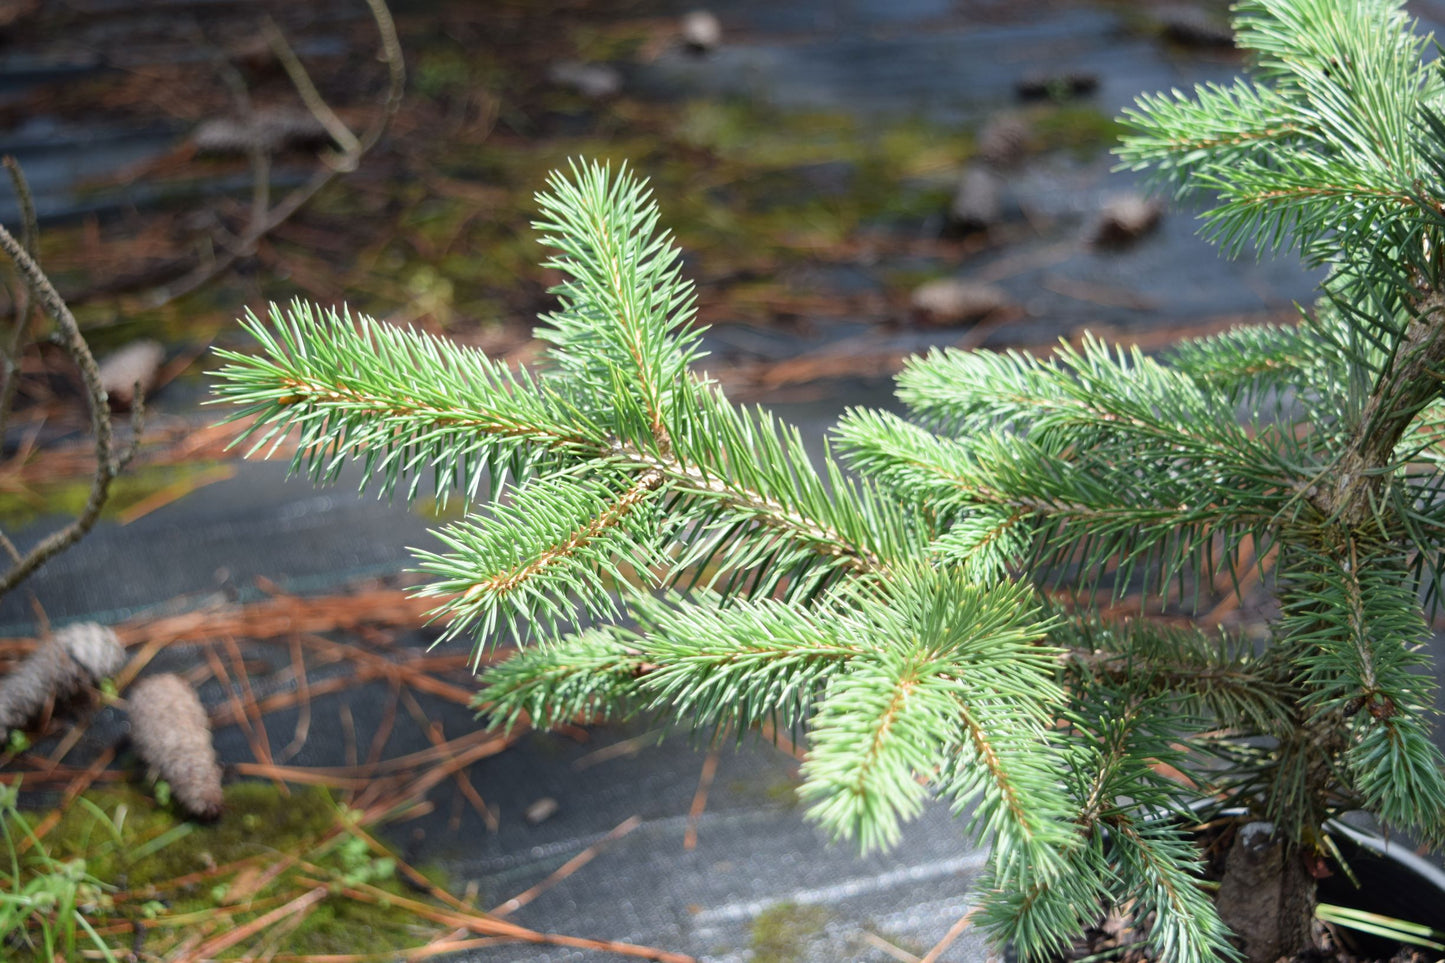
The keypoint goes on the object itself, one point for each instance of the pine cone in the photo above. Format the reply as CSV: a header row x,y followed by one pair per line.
x,y
77,654
170,730
94,647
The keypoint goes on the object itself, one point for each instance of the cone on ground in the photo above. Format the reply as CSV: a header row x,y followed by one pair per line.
x,y
170,731
76,655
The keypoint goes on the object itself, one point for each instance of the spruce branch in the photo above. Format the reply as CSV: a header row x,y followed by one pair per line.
x,y
1158,868
1093,393
743,664
452,412
1200,675
952,687
881,726
1213,125
554,539
1270,372
1087,460
625,308
588,675
893,617
1354,628
1043,917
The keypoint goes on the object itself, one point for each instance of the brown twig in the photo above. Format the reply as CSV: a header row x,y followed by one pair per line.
x,y
891,949
108,461
21,298
277,215
310,96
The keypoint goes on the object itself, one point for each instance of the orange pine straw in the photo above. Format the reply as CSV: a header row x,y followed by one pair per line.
x,y
385,788
410,956
388,722
699,800
280,616
301,775
175,492
77,786
953,933
1250,578
410,871
303,694
489,926
781,742
260,750
568,868
258,719
433,732
300,904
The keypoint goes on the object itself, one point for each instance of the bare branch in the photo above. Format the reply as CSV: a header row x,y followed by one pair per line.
x,y
31,237
392,55
256,154
10,353
310,96
107,465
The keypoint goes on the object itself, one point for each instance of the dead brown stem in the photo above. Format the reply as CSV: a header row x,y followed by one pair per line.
x,y
108,462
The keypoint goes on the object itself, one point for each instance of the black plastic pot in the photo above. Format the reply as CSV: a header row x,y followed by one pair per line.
x,y
1393,881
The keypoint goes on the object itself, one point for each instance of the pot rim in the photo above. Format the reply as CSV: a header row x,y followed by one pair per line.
x,y
1392,850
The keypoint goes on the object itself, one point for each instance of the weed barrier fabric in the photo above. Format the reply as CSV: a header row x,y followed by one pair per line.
x,y
760,883
212,546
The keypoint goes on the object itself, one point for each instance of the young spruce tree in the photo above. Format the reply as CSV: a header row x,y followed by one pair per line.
x,y
890,604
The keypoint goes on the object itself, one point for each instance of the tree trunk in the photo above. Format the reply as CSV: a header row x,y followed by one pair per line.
x,y
1267,896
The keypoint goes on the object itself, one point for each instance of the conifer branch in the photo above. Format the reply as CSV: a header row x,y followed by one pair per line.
x,y
554,539
581,538
758,508
893,619
589,675
1410,382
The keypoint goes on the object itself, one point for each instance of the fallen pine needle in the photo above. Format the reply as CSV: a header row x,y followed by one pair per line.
x,y
175,492
893,950
568,868
954,932
699,800
300,904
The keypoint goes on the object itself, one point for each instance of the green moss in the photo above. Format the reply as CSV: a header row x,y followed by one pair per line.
x,y
147,852
762,137
781,933
443,72
122,831
609,41
129,490
779,793
1078,128
428,507
783,792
